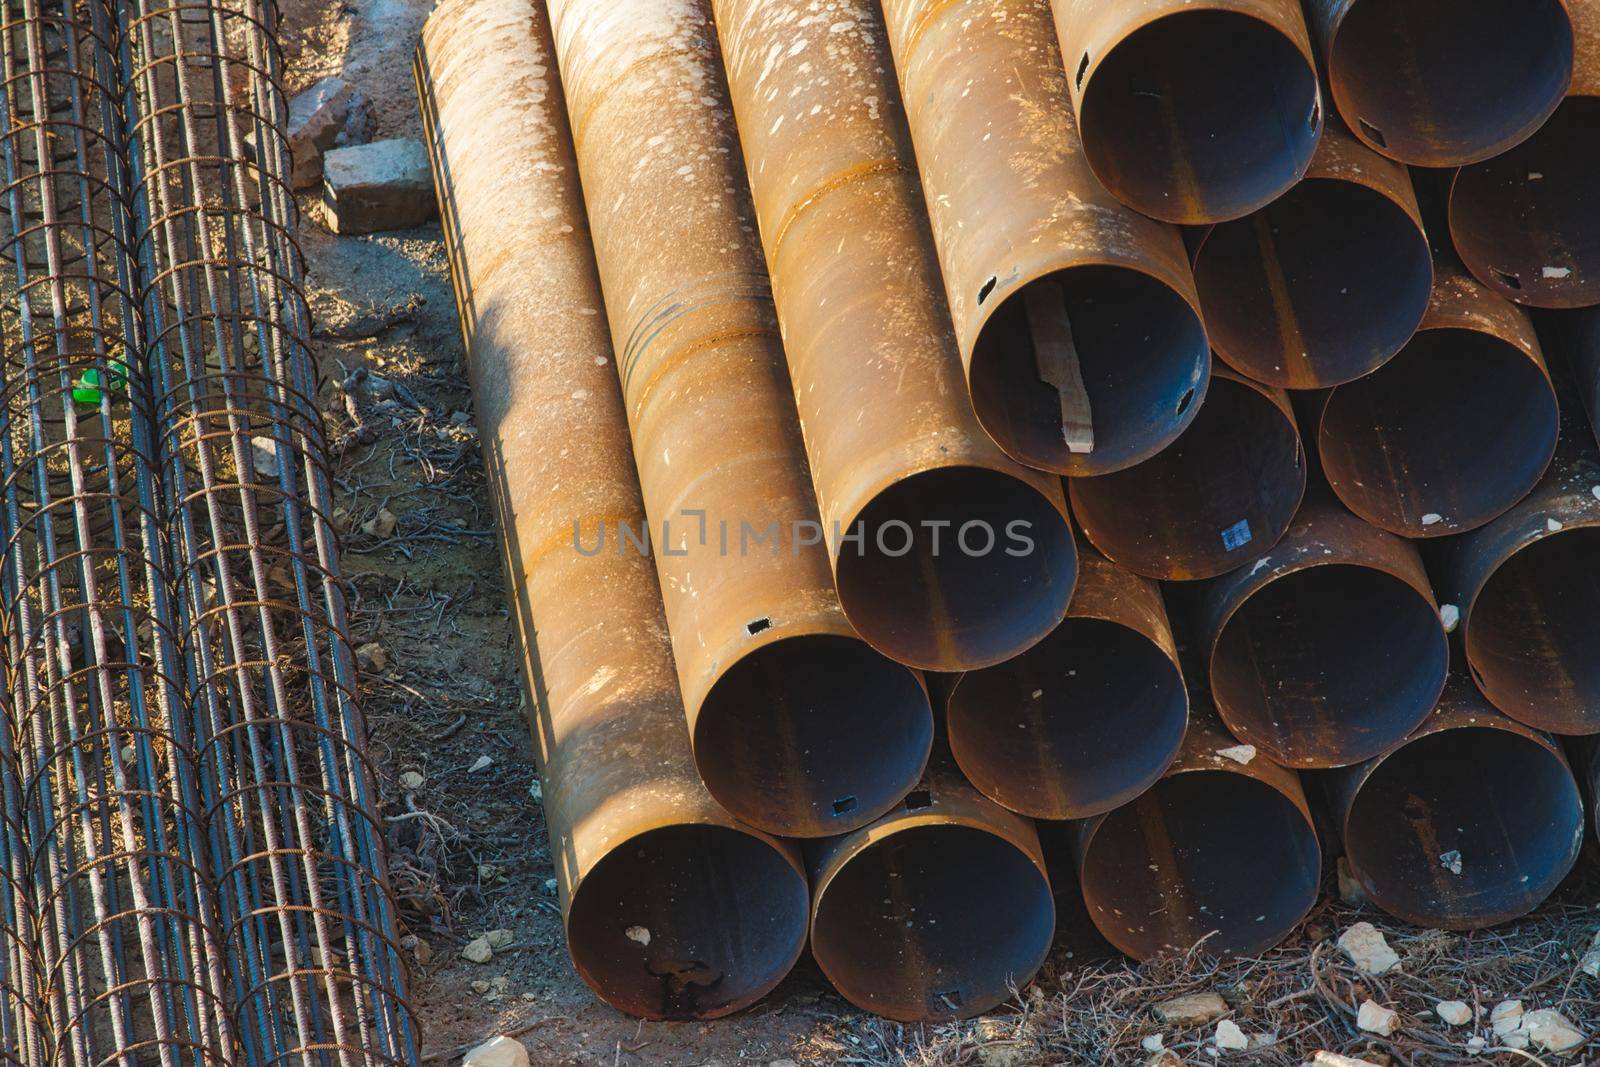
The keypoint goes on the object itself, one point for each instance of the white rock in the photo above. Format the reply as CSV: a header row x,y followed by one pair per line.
x,y
499,939
1432,517
1154,1043
1368,949
481,763
1590,964
499,1051
1453,1012
1451,861
264,454
1450,616
1196,1009
380,525
1333,1059
1517,1039
478,951
1374,1018
411,781
639,934
1558,272
1475,1044
536,791
385,185
1552,1031
1506,1017
1230,1037
1350,889
1553,525
316,117
1238,753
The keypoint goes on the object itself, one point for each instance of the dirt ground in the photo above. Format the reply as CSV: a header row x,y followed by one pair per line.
x,y
465,826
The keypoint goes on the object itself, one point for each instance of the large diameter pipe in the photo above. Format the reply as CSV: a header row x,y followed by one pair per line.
x,y
1327,282
937,910
672,908
1043,269
1193,112
1085,720
1454,429
1221,853
1441,83
1222,494
799,727
1527,222
1330,648
939,575
1473,820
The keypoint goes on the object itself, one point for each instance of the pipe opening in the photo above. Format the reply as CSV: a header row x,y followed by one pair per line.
x,y
1082,722
1329,665
1442,438
1531,213
933,922
1533,630
1201,116
687,922
1223,493
803,722
1140,347
1511,826
1317,289
1201,852
1450,83
956,568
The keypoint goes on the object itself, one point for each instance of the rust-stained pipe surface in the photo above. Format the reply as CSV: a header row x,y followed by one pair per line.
x,y
1527,223
799,727
936,910
1192,111
1327,282
672,908
1222,849
1472,821
1087,719
896,452
1328,649
1217,498
1440,83
1454,429
1039,261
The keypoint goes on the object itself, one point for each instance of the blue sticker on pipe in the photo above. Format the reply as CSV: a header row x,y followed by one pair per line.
x,y
1237,535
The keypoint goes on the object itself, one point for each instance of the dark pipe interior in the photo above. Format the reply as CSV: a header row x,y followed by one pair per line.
x,y
1533,631
973,567
813,735
1454,430
1506,807
1222,494
1318,288
1537,207
1438,83
687,922
1202,851
1329,665
1082,722
1143,354
933,922
1200,116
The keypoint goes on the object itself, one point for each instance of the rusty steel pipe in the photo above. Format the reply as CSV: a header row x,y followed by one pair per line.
x,y
1087,719
1193,112
1527,222
799,727
1038,259
1473,820
1222,494
1454,429
1328,281
890,432
1441,83
1329,649
638,842
1221,852
937,910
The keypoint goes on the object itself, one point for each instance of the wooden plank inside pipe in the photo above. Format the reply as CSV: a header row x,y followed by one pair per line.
x,y
1057,357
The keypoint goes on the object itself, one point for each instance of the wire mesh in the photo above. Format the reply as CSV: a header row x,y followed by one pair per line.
x,y
306,915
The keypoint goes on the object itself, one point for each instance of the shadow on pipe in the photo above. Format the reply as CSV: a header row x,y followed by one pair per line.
x,y
1327,282
1441,83
1219,851
1454,429
1471,821
672,909
1221,495
1193,113
1085,720
937,910
1329,649
1043,268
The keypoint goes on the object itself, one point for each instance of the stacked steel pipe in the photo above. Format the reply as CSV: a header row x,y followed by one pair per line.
x,y
893,269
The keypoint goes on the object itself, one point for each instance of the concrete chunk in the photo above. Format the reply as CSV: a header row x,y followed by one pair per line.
x,y
499,1051
1374,1018
1196,1009
1552,1031
1368,949
316,117
384,185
